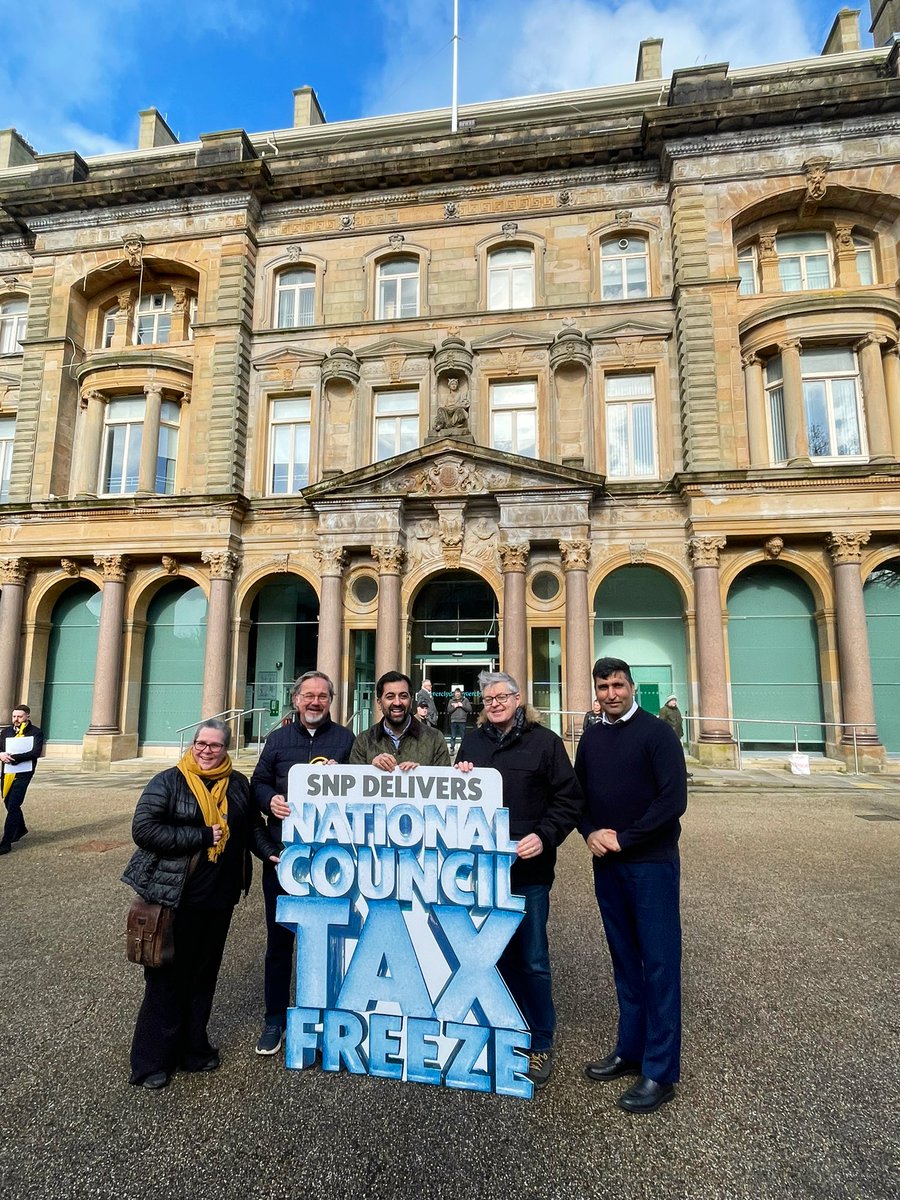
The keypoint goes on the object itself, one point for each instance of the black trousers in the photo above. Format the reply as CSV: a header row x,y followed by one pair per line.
x,y
172,1020
14,827
279,952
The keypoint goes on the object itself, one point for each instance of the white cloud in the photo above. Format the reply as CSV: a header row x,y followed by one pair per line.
x,y
523,47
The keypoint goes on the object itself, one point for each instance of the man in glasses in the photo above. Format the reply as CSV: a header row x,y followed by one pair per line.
x,y
545,804
312,737
399,739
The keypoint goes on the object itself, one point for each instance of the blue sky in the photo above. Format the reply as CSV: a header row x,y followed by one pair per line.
x,y
75,76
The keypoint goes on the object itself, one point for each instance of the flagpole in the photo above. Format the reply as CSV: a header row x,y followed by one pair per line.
x,y
454,113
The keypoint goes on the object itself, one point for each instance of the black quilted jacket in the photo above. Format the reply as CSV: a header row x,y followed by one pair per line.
x,y
168,830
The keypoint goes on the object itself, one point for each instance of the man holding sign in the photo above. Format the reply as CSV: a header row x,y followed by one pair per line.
x,y
545,804
399,739
21,745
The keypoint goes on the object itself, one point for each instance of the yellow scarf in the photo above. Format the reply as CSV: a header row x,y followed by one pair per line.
x,y
213,801
9,777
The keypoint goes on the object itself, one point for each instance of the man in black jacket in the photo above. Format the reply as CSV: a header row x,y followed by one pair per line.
x,y
15,781
631,769
312,737
545,804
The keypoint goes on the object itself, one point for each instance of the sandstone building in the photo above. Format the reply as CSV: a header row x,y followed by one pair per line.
x,y
608,371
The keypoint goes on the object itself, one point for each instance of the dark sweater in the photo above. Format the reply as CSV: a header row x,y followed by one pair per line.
x,y
290,744
634,780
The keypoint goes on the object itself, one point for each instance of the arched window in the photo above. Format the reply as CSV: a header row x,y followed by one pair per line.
x,y
154,318
511,278
804,261
397,289
624,268
13,322
295,298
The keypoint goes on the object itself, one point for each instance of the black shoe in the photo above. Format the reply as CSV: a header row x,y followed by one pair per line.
x,y
540,1066
5,847
19,836
646,1096
610,1067
212,1062
159,1079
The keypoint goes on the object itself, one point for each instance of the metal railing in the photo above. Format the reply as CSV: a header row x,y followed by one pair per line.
x,y
227,716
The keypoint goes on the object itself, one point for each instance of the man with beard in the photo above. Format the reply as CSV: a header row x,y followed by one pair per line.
x,y
312,737
399,739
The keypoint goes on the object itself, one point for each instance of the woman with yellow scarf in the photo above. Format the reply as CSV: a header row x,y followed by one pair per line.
x,y
194,827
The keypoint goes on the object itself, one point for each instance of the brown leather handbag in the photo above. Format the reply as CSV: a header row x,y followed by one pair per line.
x,y
150,934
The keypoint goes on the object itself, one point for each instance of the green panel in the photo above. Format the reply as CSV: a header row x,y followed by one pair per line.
x,y
773,649
71,659
174,647
648,606
283,643
881,594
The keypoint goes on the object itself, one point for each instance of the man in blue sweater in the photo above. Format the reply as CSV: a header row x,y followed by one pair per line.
x,y
631,769
312,737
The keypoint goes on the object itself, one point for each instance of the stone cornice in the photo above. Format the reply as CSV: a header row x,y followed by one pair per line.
x,y
90,218
765,139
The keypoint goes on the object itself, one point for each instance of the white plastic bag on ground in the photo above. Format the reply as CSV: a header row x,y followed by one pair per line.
x,y
799,763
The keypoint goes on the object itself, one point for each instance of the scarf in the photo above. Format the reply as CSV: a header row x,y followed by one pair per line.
x,y
9,777
513,732
213,801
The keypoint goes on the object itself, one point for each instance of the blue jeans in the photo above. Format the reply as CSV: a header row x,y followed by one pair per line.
x,y
525,966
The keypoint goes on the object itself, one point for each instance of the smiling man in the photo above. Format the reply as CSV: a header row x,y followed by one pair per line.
x,y
311,737
631,768
399,739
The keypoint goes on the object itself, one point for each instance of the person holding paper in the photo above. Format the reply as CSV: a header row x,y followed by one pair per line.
x,y
21,745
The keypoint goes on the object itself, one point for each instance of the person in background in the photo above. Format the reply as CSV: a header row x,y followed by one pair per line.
x,y
545,804
424,696
458,710
194,827
311,736
21,745
671,714
593,716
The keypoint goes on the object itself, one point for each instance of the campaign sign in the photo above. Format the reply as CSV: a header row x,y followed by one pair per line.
x,y
398,891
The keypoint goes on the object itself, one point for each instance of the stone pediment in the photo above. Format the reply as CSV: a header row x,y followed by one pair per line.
x,y
390,347
630,329
511,339
451,468
278,360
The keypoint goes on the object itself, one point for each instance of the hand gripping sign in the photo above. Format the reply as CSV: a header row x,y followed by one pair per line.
x,y
399,894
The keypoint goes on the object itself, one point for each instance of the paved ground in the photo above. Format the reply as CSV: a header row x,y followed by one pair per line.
x,y
792,1039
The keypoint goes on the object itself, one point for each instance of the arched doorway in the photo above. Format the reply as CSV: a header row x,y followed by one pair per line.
x,y
283,643
773,649
455,634
881,594
172,676
639,617
71,661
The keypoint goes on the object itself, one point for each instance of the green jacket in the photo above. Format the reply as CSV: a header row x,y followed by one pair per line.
x,y
419,744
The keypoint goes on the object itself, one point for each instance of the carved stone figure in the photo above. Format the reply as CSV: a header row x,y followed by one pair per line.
x,y
453,411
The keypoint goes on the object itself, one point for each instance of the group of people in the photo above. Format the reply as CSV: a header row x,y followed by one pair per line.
x,y
625,793
459,710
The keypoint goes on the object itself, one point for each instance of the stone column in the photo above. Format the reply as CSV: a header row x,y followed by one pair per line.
x,y
514,646
150,440
330,651
222,565
89,435
875,398
795,432
715,729
576,556
891,367
857,693
107,675
13,575
755,391
387,635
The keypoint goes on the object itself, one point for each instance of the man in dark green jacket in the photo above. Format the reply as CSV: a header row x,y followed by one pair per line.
x,y
399,740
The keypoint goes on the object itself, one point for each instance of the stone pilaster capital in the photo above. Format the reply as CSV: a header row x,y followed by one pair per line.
x,y
513,556
751,359
847,547
91,396
893,347
390,559
222,563
576,555
126,303
331,559
169,564
767,246
180,296
843,236
789,345
113,567
71,567
13,571
704,551
870,339
153,389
